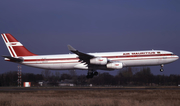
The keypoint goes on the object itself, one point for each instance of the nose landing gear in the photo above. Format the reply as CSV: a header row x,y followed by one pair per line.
x,y
161,70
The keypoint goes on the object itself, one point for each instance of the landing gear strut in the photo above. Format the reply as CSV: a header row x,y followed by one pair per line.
x,y
91,74
162,68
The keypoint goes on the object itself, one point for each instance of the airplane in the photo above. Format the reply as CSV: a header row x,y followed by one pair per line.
x,y
85,61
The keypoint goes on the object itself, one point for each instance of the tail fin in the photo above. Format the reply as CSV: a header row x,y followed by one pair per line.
x,y
16,49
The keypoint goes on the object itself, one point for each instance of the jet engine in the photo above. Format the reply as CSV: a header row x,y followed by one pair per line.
x,y
115,65
99,61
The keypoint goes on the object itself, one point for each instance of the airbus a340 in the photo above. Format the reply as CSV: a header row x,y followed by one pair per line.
x,y
85,61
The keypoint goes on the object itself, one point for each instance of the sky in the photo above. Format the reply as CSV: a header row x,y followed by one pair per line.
x,y
48,26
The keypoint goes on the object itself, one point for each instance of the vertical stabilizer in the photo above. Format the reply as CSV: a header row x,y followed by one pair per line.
x,y
16,49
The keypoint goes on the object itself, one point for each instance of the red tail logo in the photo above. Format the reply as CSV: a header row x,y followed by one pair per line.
x,y
15,48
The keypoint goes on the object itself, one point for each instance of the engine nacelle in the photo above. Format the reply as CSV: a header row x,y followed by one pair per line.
x,y
99,61
116,65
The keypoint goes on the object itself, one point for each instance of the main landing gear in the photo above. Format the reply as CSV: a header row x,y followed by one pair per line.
x,y
162,68
91,74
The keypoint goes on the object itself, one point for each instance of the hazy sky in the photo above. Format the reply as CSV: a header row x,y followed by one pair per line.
x,y
48,26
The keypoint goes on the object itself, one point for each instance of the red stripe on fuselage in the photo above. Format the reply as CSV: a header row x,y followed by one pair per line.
x,y
36,62
137,56
143,58
109,57
51,59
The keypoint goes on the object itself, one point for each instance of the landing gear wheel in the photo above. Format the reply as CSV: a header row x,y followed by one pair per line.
x,y
162,65
90,75
95,73
161,70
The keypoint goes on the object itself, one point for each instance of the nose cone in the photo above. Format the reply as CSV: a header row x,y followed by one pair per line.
x,y
174,58
177,57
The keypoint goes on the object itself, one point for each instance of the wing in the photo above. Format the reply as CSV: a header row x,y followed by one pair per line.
x,y
83,57
93,62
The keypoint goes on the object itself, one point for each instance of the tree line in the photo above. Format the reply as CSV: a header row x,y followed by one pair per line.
x,y
125,77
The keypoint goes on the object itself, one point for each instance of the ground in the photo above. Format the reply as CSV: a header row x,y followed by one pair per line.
x,y
90,96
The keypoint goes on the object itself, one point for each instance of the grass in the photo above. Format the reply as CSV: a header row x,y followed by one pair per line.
x,y
91,98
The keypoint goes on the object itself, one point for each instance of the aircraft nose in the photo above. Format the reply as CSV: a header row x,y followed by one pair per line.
x,y
176,57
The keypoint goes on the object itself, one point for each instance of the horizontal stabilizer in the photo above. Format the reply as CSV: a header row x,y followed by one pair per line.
x,y
13,59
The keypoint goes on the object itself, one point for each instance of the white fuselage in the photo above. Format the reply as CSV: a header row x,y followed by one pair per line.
x,y
128,58
85,61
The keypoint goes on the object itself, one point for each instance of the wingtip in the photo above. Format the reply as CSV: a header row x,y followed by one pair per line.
x,y
71,48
